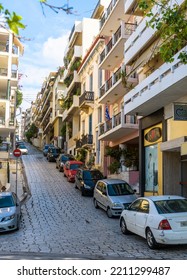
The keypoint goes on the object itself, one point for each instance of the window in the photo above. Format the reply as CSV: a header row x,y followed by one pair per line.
x,y
135,205
144,207
91,82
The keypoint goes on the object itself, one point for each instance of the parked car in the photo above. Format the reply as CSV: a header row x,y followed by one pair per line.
x,y
18,143
10,211
159,219
85,179
113,195
70,169
23,149
52,153
61,160
45,149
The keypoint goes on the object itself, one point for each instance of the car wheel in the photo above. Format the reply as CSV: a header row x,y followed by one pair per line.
x,y
83,192
123,226
151,242
109,212
96,204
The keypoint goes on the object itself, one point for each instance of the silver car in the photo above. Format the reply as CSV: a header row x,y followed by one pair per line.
x,y
113,195
10,211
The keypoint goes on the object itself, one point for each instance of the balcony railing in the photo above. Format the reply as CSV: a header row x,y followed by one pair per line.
x,y
117,120
123,32
87,96
108,12
110,82
3,71
85,140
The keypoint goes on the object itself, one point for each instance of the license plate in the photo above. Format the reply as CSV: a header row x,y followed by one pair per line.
x,y
184,224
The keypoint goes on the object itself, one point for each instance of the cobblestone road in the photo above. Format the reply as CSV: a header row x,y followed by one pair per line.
x,y
57,220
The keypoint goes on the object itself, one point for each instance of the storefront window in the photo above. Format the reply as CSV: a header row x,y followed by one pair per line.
x,y
151,168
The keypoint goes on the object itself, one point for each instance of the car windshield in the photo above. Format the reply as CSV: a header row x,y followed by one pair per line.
x,y
6,201
171,206
74,166
119,189
92,174
21,147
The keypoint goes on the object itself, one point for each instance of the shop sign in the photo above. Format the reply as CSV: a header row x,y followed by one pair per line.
x,y
180,112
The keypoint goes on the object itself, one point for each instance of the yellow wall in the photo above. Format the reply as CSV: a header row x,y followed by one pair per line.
x,y
176,129
56,128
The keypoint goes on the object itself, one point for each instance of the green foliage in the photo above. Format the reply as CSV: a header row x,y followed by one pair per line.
x,y
13,20
63,130
114,166
131,156
114,152
19,98
171,26
33,130
81,154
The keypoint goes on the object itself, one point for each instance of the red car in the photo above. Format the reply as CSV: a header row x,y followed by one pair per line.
x,y
70,169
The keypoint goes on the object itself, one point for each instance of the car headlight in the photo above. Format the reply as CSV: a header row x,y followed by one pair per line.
x,y
117,205
5,219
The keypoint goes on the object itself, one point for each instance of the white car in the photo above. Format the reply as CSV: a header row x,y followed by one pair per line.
x,y
23,149
10,211
159,219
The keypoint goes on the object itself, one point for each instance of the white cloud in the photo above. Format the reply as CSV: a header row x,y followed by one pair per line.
x,y
47,57
53,49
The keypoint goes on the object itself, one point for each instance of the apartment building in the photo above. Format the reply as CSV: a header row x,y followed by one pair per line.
x,y
117,130
10,51
160,98
47,111
81,38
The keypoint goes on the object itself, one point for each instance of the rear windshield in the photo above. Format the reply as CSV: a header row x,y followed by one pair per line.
x,y
54,150
171,206
74,166
6,201
119,189
92,174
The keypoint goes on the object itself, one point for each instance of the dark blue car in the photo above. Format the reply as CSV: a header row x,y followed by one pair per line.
x,y
86,179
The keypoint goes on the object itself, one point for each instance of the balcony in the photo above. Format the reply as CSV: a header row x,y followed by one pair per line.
x,y
75,32
113,89
68,113
73,55
113,14
114,51
132,5
85,141
71,80
86,100
118,126
163,86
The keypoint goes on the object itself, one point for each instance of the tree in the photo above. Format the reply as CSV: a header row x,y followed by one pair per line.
x,y
31,132
171,26
19,98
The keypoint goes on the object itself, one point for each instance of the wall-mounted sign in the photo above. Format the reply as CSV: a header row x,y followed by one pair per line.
x,y
180,112
153,135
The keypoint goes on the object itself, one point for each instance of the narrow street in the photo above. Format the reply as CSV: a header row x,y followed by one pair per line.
x,y
57,222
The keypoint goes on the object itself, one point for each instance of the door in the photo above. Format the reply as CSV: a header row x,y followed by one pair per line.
x,y
141,218
130,217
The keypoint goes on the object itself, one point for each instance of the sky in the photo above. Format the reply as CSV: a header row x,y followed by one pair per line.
x,y
44,38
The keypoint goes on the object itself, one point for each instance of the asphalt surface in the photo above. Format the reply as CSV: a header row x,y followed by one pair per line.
x,y
58,223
